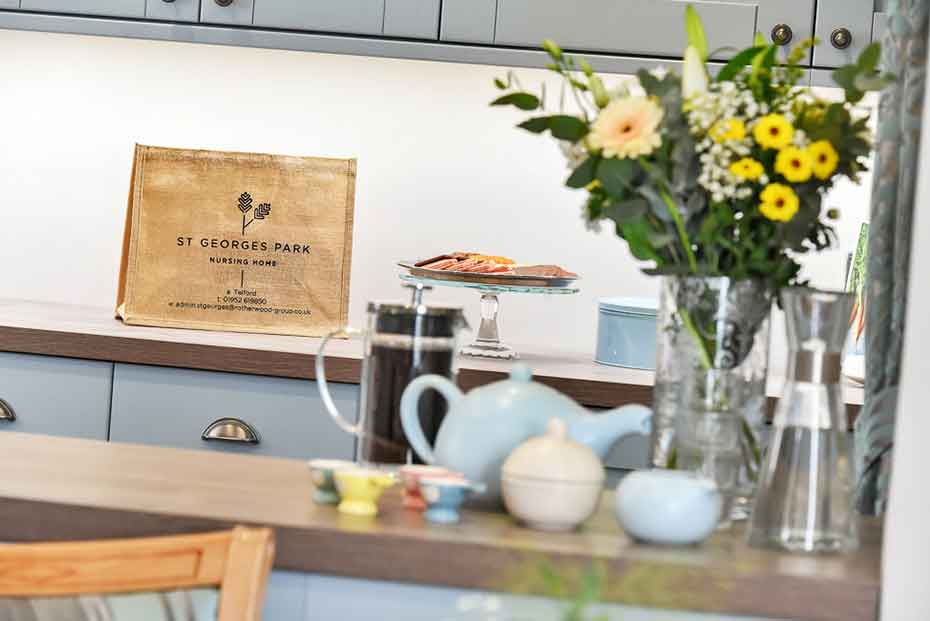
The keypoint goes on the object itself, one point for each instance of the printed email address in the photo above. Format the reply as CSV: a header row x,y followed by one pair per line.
x,y
240,307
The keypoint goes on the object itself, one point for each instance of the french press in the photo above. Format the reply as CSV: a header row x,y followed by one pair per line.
x,y
401,342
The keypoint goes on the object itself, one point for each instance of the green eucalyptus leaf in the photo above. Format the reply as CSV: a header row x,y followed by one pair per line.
x,y
565,127
537,125
656,205
626,211
583,175
523,101
636,234
695,30
870,57
758,40
736,64
616,175
499,83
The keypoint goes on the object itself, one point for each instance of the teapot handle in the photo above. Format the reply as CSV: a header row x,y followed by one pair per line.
x,y
410,413
328,402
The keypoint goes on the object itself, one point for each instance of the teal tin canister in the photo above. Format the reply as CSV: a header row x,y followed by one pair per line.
x,y
626,332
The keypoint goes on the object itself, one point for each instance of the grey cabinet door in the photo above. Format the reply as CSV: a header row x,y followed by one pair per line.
x,y
352,16
414,19
9,4
173,11
468,21
654,27
56,396
116,8
837,22
173,407
236,12
285,597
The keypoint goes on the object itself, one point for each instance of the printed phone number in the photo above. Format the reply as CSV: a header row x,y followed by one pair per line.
x,y
206,306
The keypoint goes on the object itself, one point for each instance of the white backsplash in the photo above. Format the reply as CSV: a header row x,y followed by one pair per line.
x,y
438,169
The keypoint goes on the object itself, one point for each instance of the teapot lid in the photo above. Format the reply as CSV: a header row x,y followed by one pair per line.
x,y
555,457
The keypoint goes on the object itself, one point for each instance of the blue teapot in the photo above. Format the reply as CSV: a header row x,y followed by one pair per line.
x,y
484,426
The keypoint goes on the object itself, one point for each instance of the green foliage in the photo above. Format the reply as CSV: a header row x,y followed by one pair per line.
x,y
657,202
864,75
523,101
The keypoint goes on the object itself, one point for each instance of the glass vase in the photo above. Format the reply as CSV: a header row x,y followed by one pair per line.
x,y
709,396
805,497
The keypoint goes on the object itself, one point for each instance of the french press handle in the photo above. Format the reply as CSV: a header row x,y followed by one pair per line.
x,y
328,403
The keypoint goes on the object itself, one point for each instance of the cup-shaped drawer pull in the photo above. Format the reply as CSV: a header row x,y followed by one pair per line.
x,y
231,430
7,415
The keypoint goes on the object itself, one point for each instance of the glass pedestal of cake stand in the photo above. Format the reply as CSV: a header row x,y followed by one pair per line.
x,y
487,343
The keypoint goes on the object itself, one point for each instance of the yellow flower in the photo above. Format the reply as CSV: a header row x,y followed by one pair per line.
x,y
731,129
794,164
824,157
773,131
747,168
627,128
779,202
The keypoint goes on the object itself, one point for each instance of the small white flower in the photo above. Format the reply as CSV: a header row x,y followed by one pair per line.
x,y
659,72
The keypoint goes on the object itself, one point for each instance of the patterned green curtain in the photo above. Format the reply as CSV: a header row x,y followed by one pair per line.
x,y
904,53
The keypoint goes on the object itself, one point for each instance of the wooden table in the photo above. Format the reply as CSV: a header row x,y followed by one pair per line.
x,y
59,489
93,333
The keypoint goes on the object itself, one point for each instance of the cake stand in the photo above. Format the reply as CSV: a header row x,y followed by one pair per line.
x,y
487,343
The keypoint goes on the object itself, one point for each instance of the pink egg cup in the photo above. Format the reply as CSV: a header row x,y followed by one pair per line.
x,y
411,475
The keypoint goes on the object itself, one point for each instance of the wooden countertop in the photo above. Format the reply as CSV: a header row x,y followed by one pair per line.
x,y
93,333
68,489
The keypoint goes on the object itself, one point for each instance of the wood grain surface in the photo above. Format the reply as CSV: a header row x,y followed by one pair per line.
x,y
93,333
66,489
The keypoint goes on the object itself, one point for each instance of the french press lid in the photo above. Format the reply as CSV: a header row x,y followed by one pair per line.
x,y
416,318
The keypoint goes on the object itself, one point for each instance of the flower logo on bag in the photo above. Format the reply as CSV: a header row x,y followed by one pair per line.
x,y
245,206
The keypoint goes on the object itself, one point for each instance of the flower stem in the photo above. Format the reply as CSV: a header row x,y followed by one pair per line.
x,y
702,347
680,227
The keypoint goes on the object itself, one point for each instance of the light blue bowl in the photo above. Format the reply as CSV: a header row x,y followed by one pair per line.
x,y
626,333
671,507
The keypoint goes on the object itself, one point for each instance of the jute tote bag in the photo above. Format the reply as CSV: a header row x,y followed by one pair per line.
x,y
237,241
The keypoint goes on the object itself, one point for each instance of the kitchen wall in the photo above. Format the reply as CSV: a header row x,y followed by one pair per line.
x,y
438,169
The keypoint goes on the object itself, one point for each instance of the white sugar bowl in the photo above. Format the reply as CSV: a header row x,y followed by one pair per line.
x,y
551,482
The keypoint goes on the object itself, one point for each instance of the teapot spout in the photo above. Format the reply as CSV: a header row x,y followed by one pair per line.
x,y
600,431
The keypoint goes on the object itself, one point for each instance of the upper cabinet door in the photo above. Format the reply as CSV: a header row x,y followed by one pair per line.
x,y
236,12
413,19
844,28
652,27
349,16
641,27
9,4
173,10
116,8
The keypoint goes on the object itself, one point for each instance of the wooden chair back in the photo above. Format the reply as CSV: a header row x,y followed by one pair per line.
x,y
238,561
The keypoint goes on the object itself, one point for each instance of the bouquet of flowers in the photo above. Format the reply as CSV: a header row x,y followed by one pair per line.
x,y
717,176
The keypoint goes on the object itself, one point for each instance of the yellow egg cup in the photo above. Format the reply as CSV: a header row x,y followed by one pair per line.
x,y
360,490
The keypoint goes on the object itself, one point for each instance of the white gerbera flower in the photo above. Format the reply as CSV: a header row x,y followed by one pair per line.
x,y
627,128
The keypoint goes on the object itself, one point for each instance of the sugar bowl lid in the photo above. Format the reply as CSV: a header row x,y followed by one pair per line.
x,y
554,457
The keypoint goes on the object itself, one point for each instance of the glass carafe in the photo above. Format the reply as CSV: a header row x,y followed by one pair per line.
x,y
401,342
804,501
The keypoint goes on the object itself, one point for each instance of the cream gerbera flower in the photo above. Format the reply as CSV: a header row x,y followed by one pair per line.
x,y
627,128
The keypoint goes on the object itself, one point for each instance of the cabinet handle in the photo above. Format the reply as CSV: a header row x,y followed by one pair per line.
x,y
223,2
782,34
231,430
168,1
7,415
841,38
